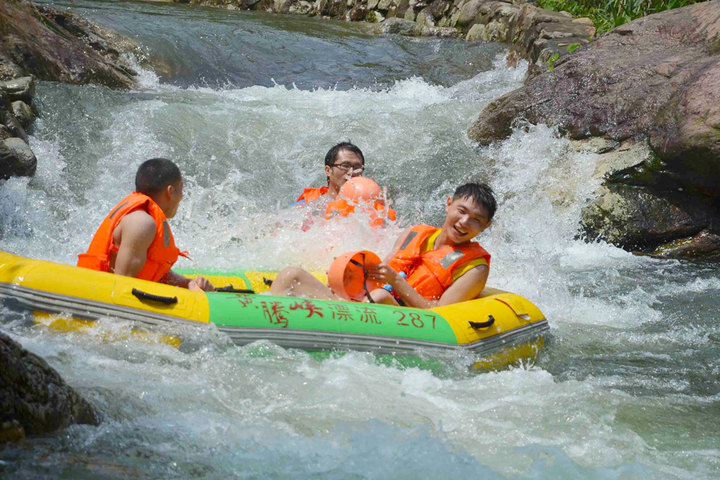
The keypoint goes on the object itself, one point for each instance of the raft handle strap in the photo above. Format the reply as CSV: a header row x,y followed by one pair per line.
x,y
231,289
267,281
155,298
489,322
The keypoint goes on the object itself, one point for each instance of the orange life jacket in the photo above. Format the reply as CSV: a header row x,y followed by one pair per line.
x,y
162,253
377,214
431,272
310,194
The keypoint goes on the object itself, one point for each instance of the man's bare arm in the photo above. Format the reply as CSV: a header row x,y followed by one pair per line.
x,y
134,235
198,283
467,287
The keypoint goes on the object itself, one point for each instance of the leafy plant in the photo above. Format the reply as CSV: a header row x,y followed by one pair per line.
x,y
608,14
551,61
572,47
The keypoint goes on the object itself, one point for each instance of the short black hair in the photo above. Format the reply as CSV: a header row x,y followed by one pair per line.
x,y
480,193
155,174
332,154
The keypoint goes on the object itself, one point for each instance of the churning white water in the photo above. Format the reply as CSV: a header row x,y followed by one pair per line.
x,y
627,387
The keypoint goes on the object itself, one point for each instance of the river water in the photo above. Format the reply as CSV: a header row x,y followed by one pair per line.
x,y
247,104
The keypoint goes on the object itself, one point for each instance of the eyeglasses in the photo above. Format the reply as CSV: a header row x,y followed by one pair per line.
x,y
349,168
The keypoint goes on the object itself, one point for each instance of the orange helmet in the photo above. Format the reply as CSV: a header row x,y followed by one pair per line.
x,y
347,276
361,189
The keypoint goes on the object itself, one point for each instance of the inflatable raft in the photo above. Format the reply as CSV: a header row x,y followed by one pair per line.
x,y
498,328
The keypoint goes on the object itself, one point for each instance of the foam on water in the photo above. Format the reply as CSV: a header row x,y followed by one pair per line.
x,y
239,177
228,403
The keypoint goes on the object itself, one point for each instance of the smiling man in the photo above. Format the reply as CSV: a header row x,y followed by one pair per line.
x,y
428,266
342,162
433,266
135,239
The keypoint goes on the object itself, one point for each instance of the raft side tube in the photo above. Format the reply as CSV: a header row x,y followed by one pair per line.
x,y
88,294
300,314
503,311
286,321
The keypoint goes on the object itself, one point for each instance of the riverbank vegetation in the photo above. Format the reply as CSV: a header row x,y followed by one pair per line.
x,y
608,14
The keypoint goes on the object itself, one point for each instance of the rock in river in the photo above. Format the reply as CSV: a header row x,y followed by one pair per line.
x,y
34,399
655,82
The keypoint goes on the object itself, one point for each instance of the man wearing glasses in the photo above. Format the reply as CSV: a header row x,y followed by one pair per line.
x,y
342,162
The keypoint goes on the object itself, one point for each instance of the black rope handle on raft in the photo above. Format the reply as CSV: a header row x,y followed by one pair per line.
x,y
231,289
486,324
155,298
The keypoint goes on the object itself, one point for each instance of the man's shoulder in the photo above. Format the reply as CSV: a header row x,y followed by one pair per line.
x,y
139,222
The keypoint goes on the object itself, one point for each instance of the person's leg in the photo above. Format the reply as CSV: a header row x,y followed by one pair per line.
x,y
296,282
380,295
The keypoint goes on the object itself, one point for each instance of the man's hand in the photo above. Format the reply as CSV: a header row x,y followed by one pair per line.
x,y
198,284
382,273
201,284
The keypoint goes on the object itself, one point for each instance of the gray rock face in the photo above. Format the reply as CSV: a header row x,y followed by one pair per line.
x,y
8,121
652,76
23,113
658,79
16,158
55,45
22,88
400,26
34,399
44,43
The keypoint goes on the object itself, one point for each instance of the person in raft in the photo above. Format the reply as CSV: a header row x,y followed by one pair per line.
x,y
428,266
135,239
343,161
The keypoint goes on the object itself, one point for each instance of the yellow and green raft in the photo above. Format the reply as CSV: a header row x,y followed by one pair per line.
x,y
499,328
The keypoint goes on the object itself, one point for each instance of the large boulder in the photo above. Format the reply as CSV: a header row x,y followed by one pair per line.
x,y
48,44
8,122
34,399
51,44
21,88
16,158
654,80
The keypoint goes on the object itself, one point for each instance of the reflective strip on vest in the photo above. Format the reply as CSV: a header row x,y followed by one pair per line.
x,y
451,258
166,234
408,239
117,209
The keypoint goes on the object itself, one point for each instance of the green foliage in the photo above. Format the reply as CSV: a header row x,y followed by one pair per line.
x,y
572,47
608,14
551,61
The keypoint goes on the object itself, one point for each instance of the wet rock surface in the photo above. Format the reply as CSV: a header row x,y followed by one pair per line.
x,y
48,44
653,81
16,158
34,399
51,44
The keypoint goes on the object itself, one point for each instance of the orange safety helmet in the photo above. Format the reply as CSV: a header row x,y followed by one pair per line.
x,y
361,189
347,275
363,192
